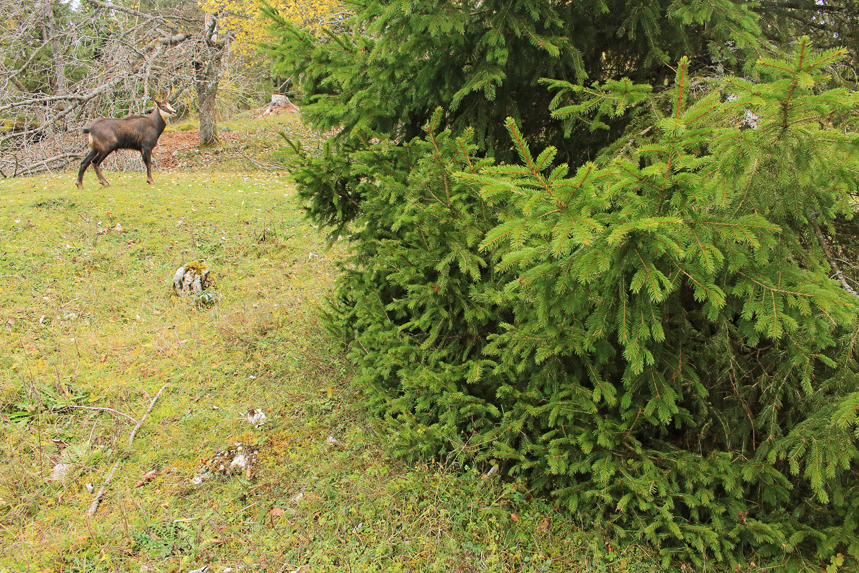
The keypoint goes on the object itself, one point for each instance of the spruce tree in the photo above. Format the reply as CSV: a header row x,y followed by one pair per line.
x,y
481,62
638,319
677,325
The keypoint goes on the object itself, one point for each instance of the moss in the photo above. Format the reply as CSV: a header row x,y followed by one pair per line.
x,y
197,266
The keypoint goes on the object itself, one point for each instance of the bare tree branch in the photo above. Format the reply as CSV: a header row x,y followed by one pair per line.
x,y
70,66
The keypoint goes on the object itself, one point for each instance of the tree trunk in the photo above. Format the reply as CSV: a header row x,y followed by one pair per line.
x,y
208,74
207,78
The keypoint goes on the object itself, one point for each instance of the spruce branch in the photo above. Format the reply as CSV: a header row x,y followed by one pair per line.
x,y
681,85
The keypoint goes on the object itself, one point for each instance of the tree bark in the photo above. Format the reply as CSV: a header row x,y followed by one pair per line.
x,y
208,74
47,27
207,79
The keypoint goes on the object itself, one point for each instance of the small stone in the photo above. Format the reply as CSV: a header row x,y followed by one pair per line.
x,y
59,472
256,417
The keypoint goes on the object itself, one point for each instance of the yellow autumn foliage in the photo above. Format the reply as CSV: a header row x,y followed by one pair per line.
x,y
244,18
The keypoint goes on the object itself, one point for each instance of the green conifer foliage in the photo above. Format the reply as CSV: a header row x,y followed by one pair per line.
x,y
481,62
674,366
654,337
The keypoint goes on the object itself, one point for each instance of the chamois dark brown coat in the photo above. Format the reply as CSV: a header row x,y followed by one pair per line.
x,y
140,132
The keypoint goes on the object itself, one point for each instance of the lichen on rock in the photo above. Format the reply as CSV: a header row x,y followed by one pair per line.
x,y
237,459
194,279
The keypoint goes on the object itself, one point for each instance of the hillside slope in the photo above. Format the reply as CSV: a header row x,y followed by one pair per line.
x,y
92,334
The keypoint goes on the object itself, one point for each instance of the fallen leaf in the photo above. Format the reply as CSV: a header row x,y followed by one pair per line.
x,y
147,477
59,443
256,417
544,525
275,512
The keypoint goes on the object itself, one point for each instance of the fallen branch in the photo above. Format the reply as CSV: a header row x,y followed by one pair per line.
x,y
263,166
111,410
143,419
36,167
94,506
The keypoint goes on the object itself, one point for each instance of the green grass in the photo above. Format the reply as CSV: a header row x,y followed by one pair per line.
x,y
88,320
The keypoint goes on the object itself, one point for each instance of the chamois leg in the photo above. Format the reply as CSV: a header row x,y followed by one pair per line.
x,y
96,164
84,164
147,159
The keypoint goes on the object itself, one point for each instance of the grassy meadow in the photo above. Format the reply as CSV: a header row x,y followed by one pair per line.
x,y
90,332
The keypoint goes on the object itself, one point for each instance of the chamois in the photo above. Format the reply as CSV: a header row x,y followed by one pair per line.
x,y
140,132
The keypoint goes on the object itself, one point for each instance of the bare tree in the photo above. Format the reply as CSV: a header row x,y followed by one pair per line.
x,y
61,66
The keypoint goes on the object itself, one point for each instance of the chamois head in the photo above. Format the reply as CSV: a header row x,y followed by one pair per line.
x,y
164,108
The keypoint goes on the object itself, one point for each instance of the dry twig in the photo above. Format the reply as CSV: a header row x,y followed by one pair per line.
x,y
94,506
111,410
143,419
